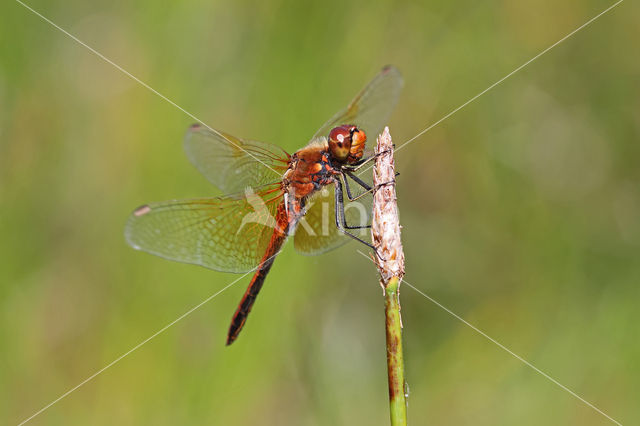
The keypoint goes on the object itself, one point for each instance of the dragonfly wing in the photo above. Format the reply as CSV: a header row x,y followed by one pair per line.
x,y
371,108
228,234
231,163
317,232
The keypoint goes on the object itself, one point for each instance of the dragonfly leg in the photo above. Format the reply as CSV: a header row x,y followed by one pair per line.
x,y
341,203
364,161
341,222
368,189
357,180
380,185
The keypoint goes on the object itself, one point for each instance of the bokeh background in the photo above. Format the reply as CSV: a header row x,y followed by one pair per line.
x,y
521,213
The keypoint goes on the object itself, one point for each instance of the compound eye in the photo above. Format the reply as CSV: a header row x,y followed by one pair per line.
x,y
358,141
340,142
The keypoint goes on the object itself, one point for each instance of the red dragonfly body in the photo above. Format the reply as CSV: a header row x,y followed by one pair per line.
x,y
271,192
308,171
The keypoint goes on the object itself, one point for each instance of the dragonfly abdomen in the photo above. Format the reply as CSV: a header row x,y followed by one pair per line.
x,y
279,236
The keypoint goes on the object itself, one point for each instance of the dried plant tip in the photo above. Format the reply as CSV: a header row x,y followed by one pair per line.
x,y
385,227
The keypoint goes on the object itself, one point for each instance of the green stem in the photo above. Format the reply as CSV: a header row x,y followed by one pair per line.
x,y
395,361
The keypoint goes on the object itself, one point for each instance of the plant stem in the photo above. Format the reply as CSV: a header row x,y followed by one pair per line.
x,y
395,361
385,233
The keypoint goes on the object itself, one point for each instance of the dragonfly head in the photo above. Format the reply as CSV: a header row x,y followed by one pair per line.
x,y
346,143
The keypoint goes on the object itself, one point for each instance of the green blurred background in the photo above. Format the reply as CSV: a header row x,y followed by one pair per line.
x,y
521,213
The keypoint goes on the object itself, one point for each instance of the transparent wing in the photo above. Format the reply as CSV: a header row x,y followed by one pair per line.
x,y
317,232
232,164
228,234
371,108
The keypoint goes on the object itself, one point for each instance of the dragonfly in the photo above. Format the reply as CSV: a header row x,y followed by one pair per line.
x,y
270,193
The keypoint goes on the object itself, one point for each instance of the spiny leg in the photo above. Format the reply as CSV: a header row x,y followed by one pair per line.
x,y
357,180
359,164
341,222
340,203
368,189
364,161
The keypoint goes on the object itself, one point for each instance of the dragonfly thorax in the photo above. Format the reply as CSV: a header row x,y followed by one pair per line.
x,y
310,169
